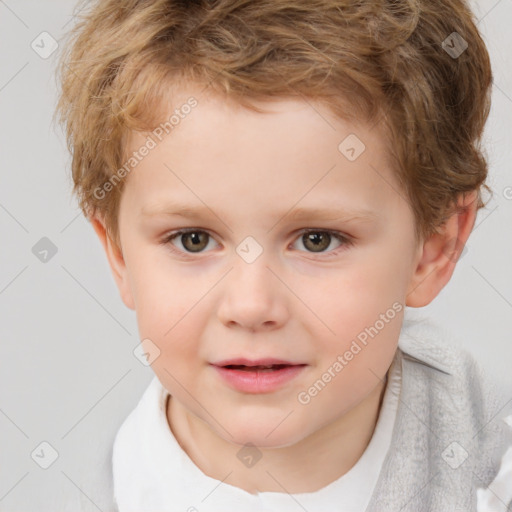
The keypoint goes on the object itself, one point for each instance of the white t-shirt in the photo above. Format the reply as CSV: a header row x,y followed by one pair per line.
x,y
153,473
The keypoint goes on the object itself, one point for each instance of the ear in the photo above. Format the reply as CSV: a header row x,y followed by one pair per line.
x,y
440,254
116,261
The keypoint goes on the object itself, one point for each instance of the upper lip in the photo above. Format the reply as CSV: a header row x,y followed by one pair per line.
x,y
242,361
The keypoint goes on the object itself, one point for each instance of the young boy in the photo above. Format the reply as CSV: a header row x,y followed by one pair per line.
x,y
324,158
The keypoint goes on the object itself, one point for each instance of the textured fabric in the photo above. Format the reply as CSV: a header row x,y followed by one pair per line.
x,y
448,440
450,432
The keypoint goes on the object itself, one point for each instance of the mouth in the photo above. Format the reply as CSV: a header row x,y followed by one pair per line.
x,y
259,368
242,363
259,376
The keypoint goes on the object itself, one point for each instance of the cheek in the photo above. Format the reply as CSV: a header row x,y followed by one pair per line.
x,y
168,307
363,315
362,302
353,296
175,327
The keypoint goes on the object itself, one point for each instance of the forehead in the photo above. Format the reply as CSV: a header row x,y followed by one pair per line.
x,y
296,153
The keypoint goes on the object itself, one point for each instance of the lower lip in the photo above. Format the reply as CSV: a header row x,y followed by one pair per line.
x,y
258,381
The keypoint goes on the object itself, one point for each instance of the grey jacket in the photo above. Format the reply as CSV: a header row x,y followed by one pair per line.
x,y
449,436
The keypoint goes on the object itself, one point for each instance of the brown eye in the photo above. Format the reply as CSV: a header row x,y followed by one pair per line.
x,y
316,241
193,241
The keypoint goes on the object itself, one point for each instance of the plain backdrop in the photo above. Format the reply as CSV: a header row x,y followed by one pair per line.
x,y
67,363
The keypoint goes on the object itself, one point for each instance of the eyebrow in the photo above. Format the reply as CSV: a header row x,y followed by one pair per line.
x,y
301,213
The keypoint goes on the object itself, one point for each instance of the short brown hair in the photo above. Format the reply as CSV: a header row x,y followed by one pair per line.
x,y
366,59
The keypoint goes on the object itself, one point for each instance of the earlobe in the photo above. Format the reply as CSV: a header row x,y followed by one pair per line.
x,y
440,254
116,262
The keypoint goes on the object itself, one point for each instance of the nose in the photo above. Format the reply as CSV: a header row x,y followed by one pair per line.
x,y
253,298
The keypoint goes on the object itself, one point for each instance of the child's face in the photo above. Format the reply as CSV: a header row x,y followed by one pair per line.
x,y
301,300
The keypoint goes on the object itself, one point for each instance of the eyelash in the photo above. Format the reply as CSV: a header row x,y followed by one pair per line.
x,y
346,241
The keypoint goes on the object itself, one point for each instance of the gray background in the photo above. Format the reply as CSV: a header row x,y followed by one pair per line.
x,y
68,374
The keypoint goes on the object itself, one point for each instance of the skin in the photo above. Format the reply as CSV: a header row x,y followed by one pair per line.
x,y
252,171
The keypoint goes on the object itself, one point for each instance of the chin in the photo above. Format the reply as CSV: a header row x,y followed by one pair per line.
x,y
263,434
